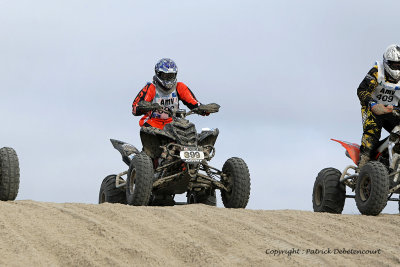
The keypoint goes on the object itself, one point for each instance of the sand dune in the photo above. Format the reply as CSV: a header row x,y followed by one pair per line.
x,y
50,234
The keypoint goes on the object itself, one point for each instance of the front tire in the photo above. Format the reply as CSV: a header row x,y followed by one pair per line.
x,y
372,188
109,193
329,194
139,182
9,174
237,181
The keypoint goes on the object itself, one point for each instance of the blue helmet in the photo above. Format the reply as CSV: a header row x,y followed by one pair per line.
x,y
166,71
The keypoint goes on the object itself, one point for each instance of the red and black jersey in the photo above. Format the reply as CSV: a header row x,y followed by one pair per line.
x,y
150,93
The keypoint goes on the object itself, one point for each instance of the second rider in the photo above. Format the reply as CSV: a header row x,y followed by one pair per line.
x,y
379,92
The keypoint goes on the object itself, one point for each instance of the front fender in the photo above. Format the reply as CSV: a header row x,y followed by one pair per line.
x,y
352,149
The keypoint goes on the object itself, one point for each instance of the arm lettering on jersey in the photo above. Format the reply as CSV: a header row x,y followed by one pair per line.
x,y
146,94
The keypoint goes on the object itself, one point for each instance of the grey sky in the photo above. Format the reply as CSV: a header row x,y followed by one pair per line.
x,y
284,72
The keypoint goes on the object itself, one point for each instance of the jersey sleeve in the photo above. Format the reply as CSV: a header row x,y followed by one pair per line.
x,y
367,86
186,96
146,94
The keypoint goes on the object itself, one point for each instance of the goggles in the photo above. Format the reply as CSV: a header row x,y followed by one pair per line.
x,y
394,65
167,76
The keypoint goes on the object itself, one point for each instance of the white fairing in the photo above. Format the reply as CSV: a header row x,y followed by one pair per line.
x,y
385,92
384,146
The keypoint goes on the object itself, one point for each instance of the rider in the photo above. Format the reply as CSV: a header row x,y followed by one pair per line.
x,y
165,92
378,93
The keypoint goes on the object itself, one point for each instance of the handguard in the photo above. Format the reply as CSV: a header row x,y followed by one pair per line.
x,y
209,108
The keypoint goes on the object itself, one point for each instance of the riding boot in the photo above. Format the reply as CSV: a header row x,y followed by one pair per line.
x,y
364,158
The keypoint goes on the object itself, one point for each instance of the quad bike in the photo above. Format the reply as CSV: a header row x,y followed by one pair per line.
x,y
9,174
373,185
175,161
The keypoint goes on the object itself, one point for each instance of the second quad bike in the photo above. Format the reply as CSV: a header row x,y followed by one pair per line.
x,y
9,174
373,185
175,161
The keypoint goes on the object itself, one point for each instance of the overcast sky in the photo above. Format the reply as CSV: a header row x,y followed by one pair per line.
x,y
284,72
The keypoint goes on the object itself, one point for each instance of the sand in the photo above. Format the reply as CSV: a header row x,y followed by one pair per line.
x,y
72,234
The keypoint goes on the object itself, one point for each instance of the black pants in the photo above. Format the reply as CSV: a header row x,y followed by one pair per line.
x,y
372,128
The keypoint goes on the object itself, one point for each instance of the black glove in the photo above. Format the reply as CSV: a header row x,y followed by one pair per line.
x,y
143,107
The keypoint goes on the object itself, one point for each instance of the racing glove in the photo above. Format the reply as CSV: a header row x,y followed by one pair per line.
x,y
380,109
143,107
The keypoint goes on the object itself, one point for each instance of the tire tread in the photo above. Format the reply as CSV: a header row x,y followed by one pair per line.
x,y
240,175
379,189
143,180
9,174
334,193
113,194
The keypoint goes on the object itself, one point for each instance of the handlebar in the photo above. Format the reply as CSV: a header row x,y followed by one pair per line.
x,y
202,109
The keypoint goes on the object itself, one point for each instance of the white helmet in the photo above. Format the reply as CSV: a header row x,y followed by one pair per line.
x,y
391,61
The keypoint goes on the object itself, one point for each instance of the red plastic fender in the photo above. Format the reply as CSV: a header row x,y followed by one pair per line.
x,y
352,148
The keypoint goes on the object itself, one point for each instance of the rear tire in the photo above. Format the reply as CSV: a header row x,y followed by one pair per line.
x,y
162,200
194,197
237,181
329,194
9,174
109,193
139,183
372,188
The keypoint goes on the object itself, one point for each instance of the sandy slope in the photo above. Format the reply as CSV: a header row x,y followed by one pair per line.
x,y
49,234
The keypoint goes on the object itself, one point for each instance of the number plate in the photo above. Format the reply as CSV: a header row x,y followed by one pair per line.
x,y
192,155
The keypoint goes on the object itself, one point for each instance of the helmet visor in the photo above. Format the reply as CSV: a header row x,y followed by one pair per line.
x,y
167,76
394,65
